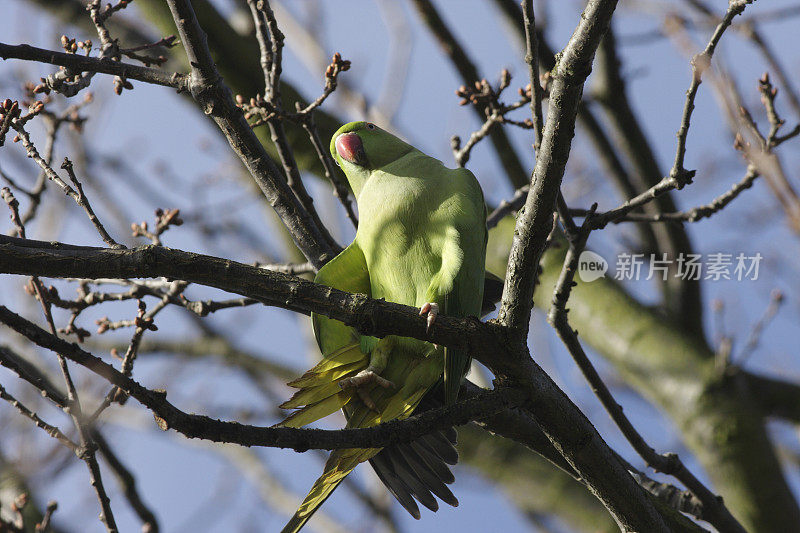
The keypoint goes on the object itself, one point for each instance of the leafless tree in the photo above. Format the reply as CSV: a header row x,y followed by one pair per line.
x,y
550,460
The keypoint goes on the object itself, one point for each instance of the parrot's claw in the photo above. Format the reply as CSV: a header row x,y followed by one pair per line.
x,y
432,310
361,380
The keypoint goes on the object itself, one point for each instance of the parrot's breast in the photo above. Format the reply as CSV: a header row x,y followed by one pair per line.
x,y
401,237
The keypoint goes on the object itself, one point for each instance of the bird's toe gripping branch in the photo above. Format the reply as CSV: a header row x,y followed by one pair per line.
x,y
365,380
362,381
432,310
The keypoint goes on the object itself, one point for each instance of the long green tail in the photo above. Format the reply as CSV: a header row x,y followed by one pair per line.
x,y
338,466
319,395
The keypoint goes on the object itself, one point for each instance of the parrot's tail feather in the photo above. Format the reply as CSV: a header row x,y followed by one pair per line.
x,y
382,465
436,463
315,411
299,519
413,480
411,461
320,394
436,470
419,468
456,366
335,361
338,466
443,444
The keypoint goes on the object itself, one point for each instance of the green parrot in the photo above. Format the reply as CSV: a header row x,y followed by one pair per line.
x,y
421,241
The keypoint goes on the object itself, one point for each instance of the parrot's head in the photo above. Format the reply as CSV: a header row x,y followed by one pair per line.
x,y
361,147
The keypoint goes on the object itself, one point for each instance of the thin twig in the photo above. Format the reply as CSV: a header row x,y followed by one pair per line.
x,y
28,372
512,165
692,215
271,112
340,190
44,525
78,63
496,113
713,510
749,28
462,154
86,450
775,301
679,176
700,63
270,41
52,126
79,196
507,207
566,217
83,201
51,430
127,482
143,322
33,153
206,307
532,59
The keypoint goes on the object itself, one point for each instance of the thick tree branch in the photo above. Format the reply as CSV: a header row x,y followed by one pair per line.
x,y
198,426
270,42
776,397
566,427
535,222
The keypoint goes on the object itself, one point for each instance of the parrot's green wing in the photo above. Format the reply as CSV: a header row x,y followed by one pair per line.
x,y
346,272
458,284
319,394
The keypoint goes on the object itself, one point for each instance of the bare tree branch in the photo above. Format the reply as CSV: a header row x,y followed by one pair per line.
x,y
198,426
469,73
565,425
215,98
78,63
713,510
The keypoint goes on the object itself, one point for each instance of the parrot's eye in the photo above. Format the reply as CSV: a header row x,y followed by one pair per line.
x,y
370,126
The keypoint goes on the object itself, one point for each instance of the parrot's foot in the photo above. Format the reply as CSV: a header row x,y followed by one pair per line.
x,y
432,310
360,382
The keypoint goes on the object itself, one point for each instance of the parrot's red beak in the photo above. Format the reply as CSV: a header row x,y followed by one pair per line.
x,y
351,149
